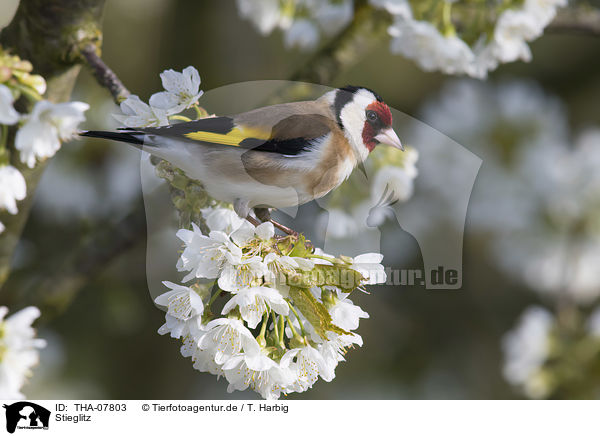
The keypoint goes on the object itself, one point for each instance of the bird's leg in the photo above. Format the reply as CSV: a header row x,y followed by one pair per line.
x,y
242,208
263,214
253,221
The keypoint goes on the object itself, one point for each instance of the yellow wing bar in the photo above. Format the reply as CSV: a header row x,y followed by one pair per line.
x,y
234,137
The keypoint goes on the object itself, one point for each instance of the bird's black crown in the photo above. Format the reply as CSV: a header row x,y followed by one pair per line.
x,y
354,89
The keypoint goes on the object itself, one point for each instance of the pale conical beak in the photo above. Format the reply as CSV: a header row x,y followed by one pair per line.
x,y
389,137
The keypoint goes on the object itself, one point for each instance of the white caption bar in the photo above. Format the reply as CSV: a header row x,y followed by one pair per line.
x,y
300,417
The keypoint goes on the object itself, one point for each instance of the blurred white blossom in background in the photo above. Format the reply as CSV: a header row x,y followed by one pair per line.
x,y
498,122
535,205
526,347
559,250
536,195
303,21
44,129
18,350
437,35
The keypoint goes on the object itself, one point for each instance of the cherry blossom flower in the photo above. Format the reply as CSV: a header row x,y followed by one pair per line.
x,y
205,256
369,265
181,91
12,188
346,315
45,128
136,113
182,302
254,302
227,337
423,42
8,114
19,350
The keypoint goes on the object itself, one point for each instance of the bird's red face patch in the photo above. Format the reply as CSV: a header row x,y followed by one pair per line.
x,y
384,112
378,117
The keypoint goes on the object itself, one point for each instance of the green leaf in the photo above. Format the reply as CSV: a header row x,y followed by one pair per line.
x,y
300,248
314,311
295,246
340,276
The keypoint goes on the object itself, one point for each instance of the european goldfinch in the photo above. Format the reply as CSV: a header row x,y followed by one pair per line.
x,y
275,156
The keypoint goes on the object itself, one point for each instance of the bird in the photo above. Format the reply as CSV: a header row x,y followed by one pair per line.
x,y
276,156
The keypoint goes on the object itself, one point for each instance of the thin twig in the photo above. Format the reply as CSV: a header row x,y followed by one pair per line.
x,y
104,75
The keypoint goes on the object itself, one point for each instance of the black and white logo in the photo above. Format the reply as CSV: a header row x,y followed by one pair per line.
x,y
26,415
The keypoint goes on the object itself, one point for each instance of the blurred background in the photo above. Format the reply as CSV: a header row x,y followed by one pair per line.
x,y
521,326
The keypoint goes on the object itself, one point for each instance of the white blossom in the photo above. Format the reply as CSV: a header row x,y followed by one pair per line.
x,y
265,231
253,302
422,42
369,265
308,367
346,315
227,337
136,113
513,29
302,22
223,220
277,267
8,114
176,327
182,91
19,350
205,256
12,188
182,302
45,128
334,348
259,373
266,15
244,273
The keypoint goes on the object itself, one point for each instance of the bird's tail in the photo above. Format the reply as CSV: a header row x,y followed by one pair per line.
x,y
129,136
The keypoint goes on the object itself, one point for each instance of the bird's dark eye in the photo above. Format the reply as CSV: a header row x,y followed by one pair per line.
x,y
372,116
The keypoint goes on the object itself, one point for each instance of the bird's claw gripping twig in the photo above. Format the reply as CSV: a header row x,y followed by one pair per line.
x,y
263,214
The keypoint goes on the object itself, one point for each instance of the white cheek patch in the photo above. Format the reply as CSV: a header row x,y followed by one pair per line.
x,y
353,118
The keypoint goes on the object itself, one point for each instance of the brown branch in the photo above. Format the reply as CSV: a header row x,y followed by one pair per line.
x,y
583,20
104,75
